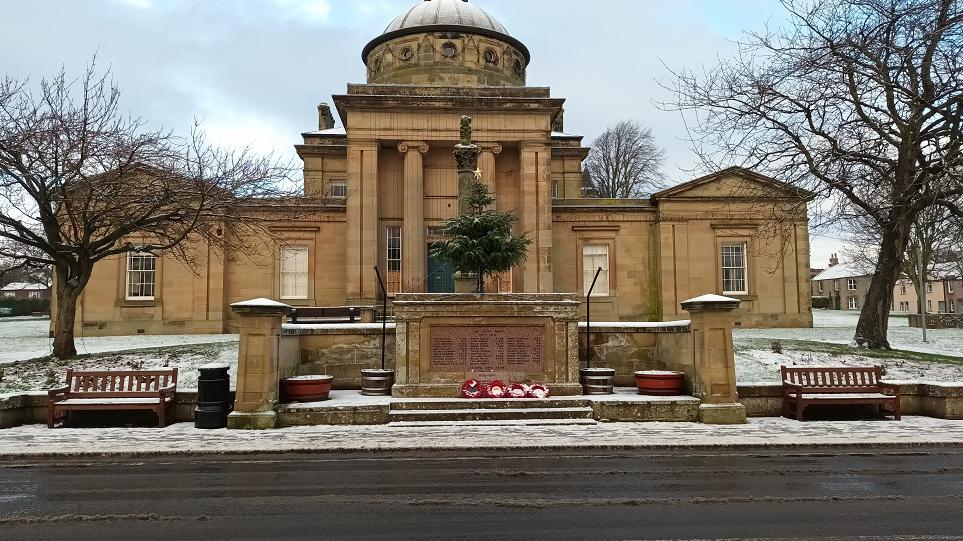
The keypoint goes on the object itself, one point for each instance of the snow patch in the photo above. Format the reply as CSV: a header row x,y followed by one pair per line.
x,y
260,303
711,297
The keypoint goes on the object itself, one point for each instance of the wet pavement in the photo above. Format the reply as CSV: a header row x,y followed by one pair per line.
x,y
832,493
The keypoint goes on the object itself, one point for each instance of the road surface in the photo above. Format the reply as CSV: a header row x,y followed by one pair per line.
x,y
769,494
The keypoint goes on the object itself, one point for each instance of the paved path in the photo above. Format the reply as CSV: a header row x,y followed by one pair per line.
x,y
831,494
38,440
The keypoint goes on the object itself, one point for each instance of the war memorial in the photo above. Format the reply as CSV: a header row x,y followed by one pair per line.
x,y
446,103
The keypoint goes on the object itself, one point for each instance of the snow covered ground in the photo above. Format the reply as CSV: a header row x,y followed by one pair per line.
x,y
26,338
755,360
22,339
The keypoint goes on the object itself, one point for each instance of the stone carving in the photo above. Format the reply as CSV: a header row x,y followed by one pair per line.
x,y
487,348
465,130
420,146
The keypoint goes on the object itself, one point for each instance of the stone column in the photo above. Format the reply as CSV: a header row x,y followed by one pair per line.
x,y
361,252
536,217
714,361
486,163
413,255
257,363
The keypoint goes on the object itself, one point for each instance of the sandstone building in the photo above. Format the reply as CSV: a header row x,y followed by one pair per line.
x,y
388,180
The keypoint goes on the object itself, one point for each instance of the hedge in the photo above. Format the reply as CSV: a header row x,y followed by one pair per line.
x,y
824,303
25,307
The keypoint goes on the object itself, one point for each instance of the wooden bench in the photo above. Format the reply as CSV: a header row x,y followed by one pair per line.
x,y
340,314
113,390
837,385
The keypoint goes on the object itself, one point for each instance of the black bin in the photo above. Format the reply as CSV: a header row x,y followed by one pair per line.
x,y
213,396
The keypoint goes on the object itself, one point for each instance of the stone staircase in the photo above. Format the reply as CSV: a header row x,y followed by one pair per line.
x,y
530,411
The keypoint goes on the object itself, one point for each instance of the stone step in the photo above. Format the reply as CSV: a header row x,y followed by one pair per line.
x,y
502,414
506,422
487,404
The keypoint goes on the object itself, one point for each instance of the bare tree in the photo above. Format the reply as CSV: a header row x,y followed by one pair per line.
x,y
625,162
858,101
81,181
931,239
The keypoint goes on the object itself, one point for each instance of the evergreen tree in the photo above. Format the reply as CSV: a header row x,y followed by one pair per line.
x,y
480,239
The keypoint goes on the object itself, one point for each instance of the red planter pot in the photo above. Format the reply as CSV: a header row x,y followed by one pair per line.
x,y
659,382
306,388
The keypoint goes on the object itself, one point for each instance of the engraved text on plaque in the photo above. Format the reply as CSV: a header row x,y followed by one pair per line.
x,y
486,348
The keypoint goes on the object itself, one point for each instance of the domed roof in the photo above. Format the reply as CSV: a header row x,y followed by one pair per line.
x,y
445,16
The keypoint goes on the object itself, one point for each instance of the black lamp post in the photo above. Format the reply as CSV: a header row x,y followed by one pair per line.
x,y
384,314
588,318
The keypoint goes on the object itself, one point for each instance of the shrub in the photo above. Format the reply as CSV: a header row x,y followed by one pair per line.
x,y
822,303
776,346
25,307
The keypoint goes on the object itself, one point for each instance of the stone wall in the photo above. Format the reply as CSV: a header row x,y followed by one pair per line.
x,y
630,347
937,321
939,400
337,350
31,408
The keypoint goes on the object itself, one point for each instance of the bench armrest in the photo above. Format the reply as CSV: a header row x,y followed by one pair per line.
x,y
167,391
890,387
58,394
790,388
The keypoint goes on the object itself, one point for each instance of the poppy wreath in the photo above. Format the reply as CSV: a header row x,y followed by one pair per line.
x,y
472,389
496,389
517,390
538,390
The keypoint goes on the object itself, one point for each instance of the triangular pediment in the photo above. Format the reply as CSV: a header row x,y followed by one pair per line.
x,y
735,183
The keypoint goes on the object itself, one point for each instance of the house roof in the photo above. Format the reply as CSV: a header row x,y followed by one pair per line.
x,y
844,270
741,172
25,286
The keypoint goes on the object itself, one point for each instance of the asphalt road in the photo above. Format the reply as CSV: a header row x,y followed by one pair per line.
x,y
841,494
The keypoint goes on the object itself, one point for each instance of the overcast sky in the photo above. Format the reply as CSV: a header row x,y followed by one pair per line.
x,y
254,70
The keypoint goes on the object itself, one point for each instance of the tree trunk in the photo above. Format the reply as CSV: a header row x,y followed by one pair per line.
x,y
481,281
67,297
873,326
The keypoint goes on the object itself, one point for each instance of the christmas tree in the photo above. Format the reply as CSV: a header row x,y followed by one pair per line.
x,y
480,239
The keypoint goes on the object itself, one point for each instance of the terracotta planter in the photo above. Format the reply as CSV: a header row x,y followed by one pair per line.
x,y
660,382
377,382
597,380
306,388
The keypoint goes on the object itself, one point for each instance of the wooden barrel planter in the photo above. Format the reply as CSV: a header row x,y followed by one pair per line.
x,y
597,380
660,382
305,388
377,382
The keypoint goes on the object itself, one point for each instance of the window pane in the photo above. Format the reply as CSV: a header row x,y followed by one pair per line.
x,y
294,272
734,268
141,275
595,256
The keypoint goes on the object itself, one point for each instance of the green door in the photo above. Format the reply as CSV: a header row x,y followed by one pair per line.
x,y
441,277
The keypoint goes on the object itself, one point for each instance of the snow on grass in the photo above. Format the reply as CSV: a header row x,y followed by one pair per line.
x,y
26,338
27,365
827,344
47,373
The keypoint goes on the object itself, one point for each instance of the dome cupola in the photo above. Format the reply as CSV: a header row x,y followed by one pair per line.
x,y
446,42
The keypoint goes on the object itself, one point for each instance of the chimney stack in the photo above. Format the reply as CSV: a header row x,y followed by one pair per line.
x,y
325,118
833,261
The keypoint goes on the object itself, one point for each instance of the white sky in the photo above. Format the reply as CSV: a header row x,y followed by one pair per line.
x,y
254,70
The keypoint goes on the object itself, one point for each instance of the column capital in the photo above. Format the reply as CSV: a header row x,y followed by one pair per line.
x,y
494,148
405,146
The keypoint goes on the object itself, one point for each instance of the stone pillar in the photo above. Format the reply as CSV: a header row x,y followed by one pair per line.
x,y
413,255
713,359
257,363
536,217
361,252
486,163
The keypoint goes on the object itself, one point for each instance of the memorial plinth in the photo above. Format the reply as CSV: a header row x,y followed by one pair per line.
x,y
444,339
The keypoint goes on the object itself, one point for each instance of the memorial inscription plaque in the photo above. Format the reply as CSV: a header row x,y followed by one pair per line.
x,y
487,348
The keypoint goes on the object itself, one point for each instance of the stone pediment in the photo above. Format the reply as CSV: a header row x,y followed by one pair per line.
x,y
733,183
